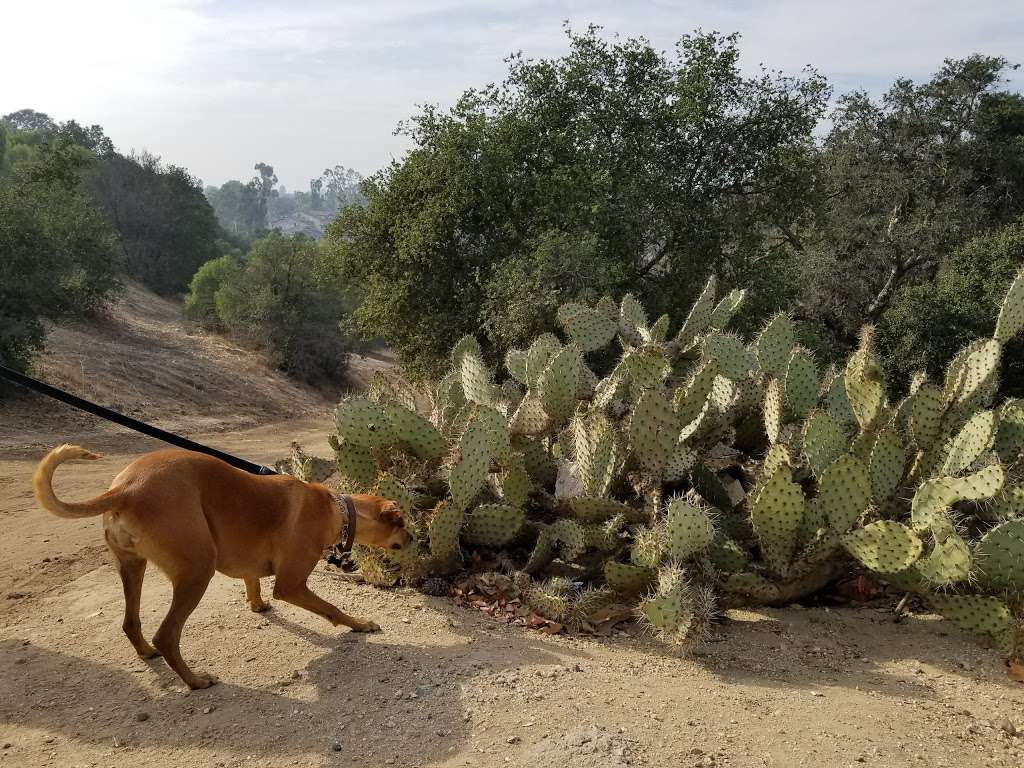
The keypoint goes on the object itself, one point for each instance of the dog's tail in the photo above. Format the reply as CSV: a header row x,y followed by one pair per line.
x,y
42,484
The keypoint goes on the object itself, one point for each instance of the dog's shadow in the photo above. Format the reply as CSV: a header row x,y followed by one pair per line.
x,y
344,700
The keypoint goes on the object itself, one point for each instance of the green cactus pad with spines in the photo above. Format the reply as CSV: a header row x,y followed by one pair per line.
x,y
801,387
604,537
815,520
543,552
587,604
594,449
865,384
492,424
529,418
587,383
1000,557
632,319
975,438
539,465
596,510
777,515
680,612
844,492
979,615
948,564
726,308
698,319
723,394
1011,314
558,384
727,555
628,580
823,441
646,367
653,431
515,364
975,375
773,410
775,345
510,394
515,481
356,467
390,487
443,529
549,599
689,401
467,345
752,586
416,432
476,380
777,458
648,548
884,546
836,402
680,463
1009,505
539,354
588,328
734,360
569,538
469,474
1010,438
659,330
926,409
607,306
373,566
934,497
492,525
363,422
688,530
887,464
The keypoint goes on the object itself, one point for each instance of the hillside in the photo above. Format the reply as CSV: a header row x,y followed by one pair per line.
x,y
144,359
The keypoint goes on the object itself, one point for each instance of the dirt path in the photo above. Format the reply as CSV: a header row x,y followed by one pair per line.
x,y
446,686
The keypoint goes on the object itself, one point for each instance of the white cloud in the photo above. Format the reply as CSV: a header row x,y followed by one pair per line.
x,y
217,86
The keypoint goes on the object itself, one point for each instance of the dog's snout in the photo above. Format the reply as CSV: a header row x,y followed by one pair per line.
x,y
396,545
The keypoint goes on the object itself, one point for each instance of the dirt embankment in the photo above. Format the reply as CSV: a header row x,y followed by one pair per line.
x,y
442,685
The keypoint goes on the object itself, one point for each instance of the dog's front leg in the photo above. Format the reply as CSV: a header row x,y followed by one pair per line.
x,y
301,595
252,594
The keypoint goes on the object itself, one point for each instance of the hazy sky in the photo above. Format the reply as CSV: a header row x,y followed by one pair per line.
x,y
218,86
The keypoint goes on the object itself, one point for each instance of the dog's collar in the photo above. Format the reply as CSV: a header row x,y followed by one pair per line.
x,y
349,509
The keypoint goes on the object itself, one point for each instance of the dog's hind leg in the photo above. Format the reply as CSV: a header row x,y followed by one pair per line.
x,y
189,588
133,570
252,594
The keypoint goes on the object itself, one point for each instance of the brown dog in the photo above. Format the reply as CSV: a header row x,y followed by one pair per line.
x,y
192,514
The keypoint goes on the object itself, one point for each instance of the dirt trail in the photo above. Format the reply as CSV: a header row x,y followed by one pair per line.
x,y
442,685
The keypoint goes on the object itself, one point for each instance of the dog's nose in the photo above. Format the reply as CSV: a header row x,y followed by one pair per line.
x,y
396,546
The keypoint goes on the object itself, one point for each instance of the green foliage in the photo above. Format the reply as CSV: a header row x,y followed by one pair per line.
x,y
929,323
59,255
200,304
285,301
577,176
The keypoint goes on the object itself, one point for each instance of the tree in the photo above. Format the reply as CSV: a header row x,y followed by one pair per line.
x,y
664,168
907,180
285,302
167,226
30,120
200,304
59,254
237,208
928,323
264,183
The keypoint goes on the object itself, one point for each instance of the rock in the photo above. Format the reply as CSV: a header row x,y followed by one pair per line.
x,y
514,739
336,747
1008,728
209,709
142,716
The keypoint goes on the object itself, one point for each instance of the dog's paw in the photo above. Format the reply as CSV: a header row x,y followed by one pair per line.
x,y
259,607
148,653
367,626
202,681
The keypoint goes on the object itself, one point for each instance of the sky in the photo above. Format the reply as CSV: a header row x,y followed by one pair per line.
x,y
217,86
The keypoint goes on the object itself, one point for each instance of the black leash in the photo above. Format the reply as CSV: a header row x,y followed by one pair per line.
x,y
127,421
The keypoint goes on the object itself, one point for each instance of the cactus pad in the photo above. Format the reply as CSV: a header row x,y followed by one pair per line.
x,y
414,431
589,329
773,410
467,345
926,409
595,510
865,384
1010,437
680,612
974,438
628,580
887,464
844,492
754,587
979,615
443,529
734,359
356,466
1011,314
698,319
653,431
775,345
688,530
777,515
543,348
476,380
1000,556
883,546
823,441
948,563
726,308
493,525
559,382
801,383
363,422
515,363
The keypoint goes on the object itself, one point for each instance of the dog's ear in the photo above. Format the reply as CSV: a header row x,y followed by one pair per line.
x,y
391,513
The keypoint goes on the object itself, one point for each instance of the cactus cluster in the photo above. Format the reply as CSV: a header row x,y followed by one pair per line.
x,y
702,470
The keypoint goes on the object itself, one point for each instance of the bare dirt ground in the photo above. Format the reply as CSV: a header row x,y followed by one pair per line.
x,y
441,685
